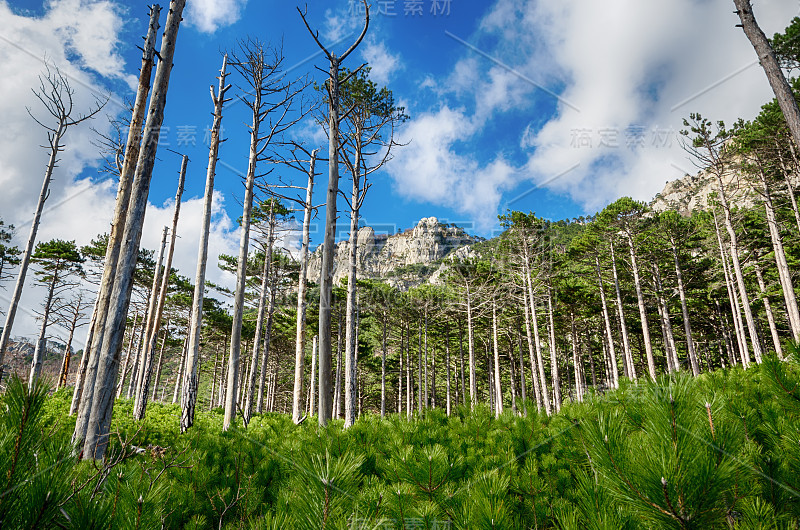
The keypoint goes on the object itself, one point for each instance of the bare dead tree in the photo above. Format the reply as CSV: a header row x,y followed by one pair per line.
x,y
189,394
94,419
56,96
126,171
270,97
326,278
152,338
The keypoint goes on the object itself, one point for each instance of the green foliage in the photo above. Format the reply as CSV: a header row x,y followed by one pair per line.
x,y
718,451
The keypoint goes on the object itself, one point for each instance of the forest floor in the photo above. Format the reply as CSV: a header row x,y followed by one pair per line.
x,y
718,451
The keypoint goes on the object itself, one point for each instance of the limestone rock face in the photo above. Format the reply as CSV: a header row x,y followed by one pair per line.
x,y
403,259
693,192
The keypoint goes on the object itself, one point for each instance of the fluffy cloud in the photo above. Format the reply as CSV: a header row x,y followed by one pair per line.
x,y
384,64
78,208
430,168
626,73
209,15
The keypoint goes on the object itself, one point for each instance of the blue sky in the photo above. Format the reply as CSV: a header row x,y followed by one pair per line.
x,y
419,43
553,107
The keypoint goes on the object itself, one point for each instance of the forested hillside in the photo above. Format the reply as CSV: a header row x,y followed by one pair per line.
x,y
635,368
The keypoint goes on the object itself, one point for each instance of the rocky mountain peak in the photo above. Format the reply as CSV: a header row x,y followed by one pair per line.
x,y
404,259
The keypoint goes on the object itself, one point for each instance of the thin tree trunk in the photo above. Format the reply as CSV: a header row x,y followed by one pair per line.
x,y
262,302
776,341
102,402
576,362
302,281
189,394
538,347
522,382
784,275
630,368
152,341
449,404
181,370
326,275
553,353
531,354
312,399
41,344
232,387
339,367
136,142
62,378
497,387
144,361
612,359
79,377
55,148
350,365
160,362
267,342
741,339
648,346
737,268
383,369
687,326
137,359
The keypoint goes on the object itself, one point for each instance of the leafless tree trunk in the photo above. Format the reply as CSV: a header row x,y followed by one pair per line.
x,y
648,346
55,94
326,278
612,354
41,343
580,386
152,339
76,309
267,338
498,389
81,375
144,362
733,298
313,398
553,353
538,346
181,370
91,355
737,269
189,394
778,82
630,369
94,420
776,341
302,282
784,274
262,302
687,326
531,354
160,362
271,95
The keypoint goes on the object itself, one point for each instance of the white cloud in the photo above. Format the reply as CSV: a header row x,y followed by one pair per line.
x,y
77,208
430,168
626,65
629,66
209,15
339,23
384,64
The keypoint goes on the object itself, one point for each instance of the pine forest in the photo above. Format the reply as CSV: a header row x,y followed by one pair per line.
x,y
634,368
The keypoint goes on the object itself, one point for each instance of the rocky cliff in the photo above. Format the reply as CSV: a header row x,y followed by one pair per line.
x,y
693,192
403,259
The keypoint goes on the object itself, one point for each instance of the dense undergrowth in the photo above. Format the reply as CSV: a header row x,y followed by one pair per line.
x,y
722,450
